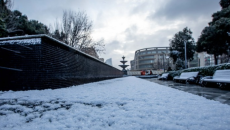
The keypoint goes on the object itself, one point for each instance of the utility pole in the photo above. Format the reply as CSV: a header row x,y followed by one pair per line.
x,y
185,55
163,60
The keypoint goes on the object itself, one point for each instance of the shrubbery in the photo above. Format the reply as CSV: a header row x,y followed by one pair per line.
x,y
204,71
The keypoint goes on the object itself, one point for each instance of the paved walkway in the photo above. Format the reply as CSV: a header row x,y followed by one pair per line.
x,y
216,94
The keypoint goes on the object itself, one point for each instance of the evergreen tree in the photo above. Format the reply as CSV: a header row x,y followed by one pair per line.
x,y
179,64
3,32
14,23
224,3
214,38
4,12
177,50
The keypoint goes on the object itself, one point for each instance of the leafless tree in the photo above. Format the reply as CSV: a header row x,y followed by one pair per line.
x,y
75,30
98,46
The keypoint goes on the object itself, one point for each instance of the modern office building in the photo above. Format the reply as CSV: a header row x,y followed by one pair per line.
x,y
151,58
109,61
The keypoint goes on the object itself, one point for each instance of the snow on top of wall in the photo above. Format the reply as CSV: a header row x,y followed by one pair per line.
x,y
23,41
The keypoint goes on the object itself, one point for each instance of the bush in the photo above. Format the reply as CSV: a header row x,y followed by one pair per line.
x,y
204,71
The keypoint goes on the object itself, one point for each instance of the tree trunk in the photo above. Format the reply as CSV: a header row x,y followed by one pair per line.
x,y
215,57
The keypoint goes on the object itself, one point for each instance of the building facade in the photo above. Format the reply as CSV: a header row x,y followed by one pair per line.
x,y
205,59
154,58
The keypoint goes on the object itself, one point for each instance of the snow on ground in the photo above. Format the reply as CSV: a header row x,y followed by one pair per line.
x,y
122,103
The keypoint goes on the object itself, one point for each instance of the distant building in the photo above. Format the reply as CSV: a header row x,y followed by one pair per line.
x,y
101,59
91,51
154,58
194,62
109,61
205,59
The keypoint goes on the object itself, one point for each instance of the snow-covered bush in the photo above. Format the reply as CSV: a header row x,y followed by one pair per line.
x,y
179,64
204,71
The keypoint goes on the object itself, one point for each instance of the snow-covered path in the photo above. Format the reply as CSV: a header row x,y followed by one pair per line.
x,y
122,103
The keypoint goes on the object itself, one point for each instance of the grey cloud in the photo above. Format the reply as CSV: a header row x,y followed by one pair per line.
x,y
186,9
142,7
130,32
47,11
143,41
114,44
194,13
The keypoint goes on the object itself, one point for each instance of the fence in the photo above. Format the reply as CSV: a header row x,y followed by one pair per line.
x,y
40,62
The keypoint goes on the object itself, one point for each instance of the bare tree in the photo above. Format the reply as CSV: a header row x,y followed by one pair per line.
x,y
98,46
75,30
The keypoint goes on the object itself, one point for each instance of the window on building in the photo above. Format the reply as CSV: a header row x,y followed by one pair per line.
x,y
145,66
145,61
143,53
154,52
148,57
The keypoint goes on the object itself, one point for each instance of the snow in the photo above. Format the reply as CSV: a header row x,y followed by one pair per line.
x,y
122,103
23,41
175,52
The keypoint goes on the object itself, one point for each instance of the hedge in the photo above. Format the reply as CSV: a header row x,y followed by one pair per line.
x,y
204,71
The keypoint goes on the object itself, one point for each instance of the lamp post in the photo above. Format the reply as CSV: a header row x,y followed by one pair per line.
x,y
185,55
185,52
163,61
167,57
228,49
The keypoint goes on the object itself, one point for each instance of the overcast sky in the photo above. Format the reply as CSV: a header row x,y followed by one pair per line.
x,y
128,25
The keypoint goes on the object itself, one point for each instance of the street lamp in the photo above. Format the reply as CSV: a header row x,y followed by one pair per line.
x,y
163,60
167,57
228,49
185,53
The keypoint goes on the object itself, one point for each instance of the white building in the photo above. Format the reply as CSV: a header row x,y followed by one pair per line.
x,y
205,59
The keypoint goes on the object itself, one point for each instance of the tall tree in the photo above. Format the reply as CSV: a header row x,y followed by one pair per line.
x,y
75,30
3,32
14,23
224,3
177,46
214,38
5,6
4,12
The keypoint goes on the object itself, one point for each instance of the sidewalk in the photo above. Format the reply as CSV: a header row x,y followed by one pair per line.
x,y
122,103
216,94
